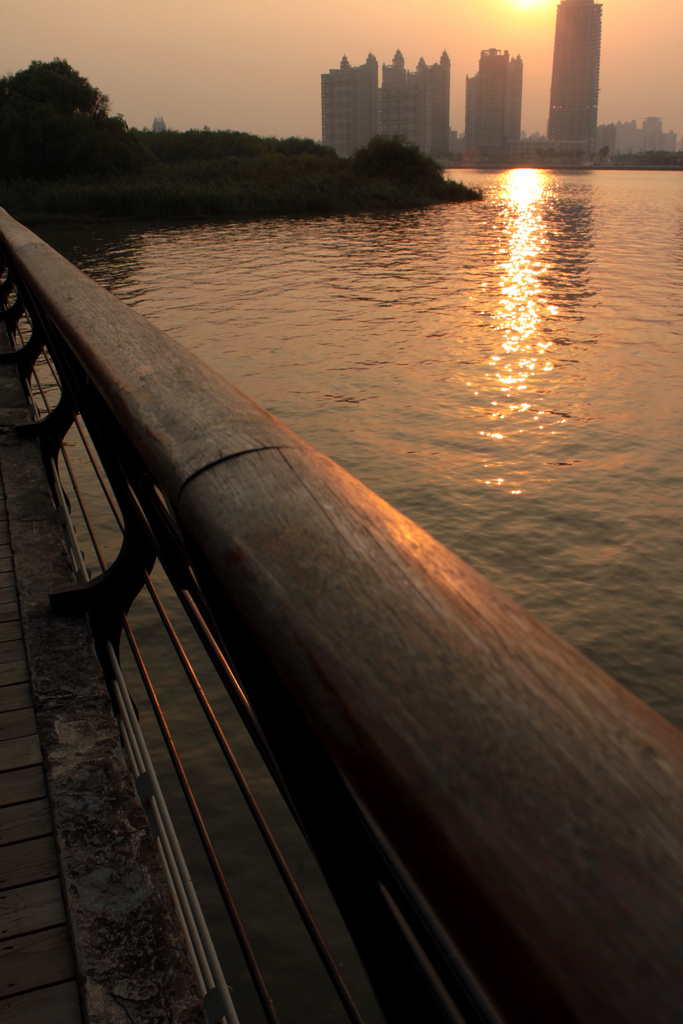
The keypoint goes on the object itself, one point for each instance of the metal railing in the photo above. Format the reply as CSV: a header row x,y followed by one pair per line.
x,y
494,816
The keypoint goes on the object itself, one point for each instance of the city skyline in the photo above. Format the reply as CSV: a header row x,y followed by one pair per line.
x,y
258,69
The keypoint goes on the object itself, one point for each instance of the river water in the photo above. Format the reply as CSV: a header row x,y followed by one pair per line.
x,y
507,373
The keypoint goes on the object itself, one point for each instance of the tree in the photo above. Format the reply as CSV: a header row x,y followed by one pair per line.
x,y
56,85
54,123
385,157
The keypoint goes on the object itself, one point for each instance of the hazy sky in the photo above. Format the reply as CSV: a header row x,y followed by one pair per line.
x,y
255,65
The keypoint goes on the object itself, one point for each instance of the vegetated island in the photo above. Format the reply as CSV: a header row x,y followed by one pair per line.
x,y
62,155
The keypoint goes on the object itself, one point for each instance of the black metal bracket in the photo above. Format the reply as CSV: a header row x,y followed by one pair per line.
x,y
25,356
6,286
107,597
13,315
53,426
50,431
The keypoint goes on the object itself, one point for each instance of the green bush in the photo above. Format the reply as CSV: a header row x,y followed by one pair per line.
x,y
394,158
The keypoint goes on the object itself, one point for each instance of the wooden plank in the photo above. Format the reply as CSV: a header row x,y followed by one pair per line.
x,y
9,611
30,820
10,630
34,860
17,723
16,672
16,787
15,696
12,650
12,660
58,1004
20,753
31,908
43,958
7,582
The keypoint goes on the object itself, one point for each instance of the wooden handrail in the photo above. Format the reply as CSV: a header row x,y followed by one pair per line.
x,y
534,803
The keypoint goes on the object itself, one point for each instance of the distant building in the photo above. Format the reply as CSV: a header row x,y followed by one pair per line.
x,y
626,137
350,105
493,104
606,138
655,138
573,117
158,125
416,104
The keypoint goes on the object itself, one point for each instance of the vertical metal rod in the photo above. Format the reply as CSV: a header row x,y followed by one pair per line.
x,y
228,901
202,944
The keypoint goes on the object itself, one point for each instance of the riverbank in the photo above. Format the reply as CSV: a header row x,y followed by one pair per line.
x,y
230,188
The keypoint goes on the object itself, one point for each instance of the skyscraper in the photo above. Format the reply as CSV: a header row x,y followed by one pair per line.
x,y
350,105
574,87
416,104
493,103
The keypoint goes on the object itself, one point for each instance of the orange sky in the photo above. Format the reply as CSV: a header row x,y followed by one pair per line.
x,y
255,65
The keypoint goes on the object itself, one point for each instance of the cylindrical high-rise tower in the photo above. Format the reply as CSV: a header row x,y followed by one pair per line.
x,y
576,74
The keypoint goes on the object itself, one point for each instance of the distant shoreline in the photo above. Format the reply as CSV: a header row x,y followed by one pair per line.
x,y
384,176
562,167
135,202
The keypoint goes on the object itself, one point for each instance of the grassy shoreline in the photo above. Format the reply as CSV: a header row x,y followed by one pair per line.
x,y
387,175
285,190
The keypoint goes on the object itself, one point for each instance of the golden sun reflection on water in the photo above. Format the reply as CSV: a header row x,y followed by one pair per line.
x,y
521,352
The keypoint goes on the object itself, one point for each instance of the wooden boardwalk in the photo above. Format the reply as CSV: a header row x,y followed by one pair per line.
x,y
37,976
68,807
